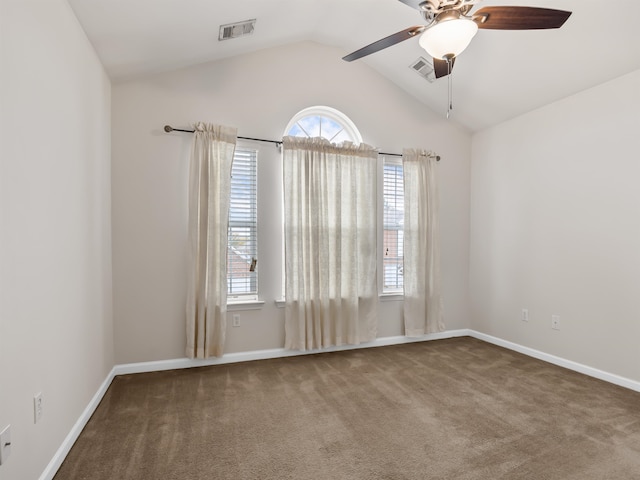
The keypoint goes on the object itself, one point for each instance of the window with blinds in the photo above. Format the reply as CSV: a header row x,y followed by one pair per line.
x,y
393,225
242,254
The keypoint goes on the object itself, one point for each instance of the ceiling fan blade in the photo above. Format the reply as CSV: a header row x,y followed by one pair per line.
x,y
519,18
374,47
440,67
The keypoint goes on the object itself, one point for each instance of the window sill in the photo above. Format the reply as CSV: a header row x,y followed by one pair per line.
x,y
391,297
248,305
384,297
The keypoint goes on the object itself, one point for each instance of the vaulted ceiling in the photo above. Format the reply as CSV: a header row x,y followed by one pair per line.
x,y
502,74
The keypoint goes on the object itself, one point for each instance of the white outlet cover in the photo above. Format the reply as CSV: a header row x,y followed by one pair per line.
x,y
5,444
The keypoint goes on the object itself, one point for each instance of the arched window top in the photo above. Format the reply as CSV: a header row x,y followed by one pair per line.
x,y
325,122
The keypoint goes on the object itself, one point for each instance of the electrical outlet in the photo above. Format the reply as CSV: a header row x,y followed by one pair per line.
x,y
524,316
236,320
555,322
5,444
37,407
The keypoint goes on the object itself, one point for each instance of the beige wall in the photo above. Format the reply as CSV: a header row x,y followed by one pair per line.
x,y
554,200
555,228
258,93
56,330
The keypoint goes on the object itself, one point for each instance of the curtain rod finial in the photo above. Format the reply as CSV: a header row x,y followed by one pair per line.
x,y
168,128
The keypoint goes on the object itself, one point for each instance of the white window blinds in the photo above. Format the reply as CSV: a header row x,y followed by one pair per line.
x,y
242,279
393,221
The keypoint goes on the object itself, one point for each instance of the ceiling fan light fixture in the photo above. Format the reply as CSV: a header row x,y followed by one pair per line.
x,y
448,37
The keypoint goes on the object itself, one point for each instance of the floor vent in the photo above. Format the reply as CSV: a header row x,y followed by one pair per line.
x,y
424,68
235,30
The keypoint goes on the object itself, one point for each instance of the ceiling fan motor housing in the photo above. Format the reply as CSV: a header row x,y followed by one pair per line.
x,y
430,9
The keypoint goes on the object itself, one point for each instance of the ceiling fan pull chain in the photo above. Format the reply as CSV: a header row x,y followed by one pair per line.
x,y
450,88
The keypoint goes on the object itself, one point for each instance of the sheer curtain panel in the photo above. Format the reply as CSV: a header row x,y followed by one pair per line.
x,y
330,243
209,193
422,298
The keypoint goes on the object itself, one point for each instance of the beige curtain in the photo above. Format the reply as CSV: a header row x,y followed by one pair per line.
x,y
422,297
330,243
209,193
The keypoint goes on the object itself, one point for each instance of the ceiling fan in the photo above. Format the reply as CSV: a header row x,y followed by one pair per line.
x,y
451,26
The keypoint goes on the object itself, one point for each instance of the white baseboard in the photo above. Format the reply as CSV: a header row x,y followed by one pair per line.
x,y
73,435
180,363
562,362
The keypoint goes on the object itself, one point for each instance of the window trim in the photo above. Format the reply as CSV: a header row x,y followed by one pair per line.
x,y
245,305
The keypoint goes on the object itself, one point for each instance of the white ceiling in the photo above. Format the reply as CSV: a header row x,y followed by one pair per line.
x,y
501,75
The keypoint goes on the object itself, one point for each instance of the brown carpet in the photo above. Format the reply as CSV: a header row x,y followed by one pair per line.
x,y
449,409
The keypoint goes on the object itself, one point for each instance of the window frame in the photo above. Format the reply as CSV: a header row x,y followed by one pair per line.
x,y
398,290
252,224
332,114
269,225
354,136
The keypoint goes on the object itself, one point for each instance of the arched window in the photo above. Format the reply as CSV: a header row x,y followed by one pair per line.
x,y
325,122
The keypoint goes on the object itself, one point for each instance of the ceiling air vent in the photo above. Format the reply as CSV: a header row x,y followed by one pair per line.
x,y
235,30
424,68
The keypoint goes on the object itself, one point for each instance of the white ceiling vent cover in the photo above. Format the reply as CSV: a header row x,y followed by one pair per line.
x,y
235,30
424,68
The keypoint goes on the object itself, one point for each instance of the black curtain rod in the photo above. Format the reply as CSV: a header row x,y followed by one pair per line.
x,y
169,129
